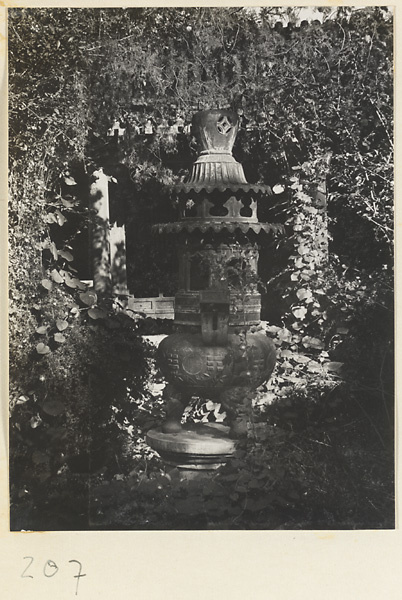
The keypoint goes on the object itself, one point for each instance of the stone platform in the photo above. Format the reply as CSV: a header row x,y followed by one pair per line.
x,y
198,448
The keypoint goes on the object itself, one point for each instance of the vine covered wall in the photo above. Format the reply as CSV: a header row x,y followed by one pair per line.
x,y
316,107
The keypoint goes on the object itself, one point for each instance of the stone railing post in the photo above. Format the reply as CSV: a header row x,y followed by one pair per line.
x,y
108,242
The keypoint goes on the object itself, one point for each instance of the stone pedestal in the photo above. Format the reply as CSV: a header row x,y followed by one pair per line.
x,y
195,450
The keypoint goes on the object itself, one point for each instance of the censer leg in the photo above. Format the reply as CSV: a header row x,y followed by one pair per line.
x,y
175,405
237,405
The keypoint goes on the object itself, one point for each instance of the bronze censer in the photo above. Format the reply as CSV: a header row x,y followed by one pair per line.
x,y
217,351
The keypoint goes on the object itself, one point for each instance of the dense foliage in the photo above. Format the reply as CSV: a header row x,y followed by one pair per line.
x,y
315,103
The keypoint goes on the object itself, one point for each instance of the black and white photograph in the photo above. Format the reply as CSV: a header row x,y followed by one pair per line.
x,y
201,268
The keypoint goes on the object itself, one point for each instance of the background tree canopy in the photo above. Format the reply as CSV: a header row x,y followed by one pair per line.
x,y
316,105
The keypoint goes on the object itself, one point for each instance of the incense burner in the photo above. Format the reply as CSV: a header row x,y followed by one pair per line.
x,y
217,351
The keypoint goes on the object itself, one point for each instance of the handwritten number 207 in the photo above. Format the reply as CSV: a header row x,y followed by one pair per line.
x,y
50,569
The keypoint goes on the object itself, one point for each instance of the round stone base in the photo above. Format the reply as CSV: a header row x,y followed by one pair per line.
x,y
201,448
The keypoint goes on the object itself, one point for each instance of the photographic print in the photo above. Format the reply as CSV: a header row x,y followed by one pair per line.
x,y
201,251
